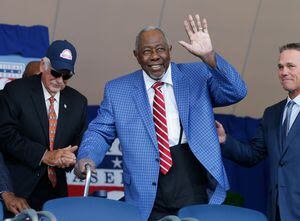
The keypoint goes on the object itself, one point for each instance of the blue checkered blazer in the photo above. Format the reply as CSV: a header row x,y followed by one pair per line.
x,y
125,113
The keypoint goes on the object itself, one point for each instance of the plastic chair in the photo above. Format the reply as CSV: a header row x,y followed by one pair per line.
x,y
32,215
221,213
176,218
91,208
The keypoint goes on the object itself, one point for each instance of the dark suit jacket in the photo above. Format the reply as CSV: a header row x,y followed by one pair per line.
x,y
5,182
24,131
284,160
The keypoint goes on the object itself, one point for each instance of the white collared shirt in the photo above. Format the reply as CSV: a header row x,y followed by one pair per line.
x,y
172,115
47,101
295,110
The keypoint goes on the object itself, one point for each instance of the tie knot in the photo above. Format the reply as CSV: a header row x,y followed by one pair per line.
x,y
157,85
51,99
290,104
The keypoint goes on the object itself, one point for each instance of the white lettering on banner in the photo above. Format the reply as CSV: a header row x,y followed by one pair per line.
x,y
108,174
10,71
104,177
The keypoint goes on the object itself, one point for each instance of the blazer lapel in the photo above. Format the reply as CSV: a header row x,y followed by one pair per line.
x,y
182,93
278,124
39,104
292,133
141,100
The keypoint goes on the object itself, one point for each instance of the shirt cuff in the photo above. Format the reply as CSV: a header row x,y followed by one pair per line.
x,y
41,161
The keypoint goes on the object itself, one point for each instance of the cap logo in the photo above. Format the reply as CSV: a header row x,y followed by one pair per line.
x,y
66,54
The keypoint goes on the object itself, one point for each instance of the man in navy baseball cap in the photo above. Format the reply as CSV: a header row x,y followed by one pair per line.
x,y
57,66
43,121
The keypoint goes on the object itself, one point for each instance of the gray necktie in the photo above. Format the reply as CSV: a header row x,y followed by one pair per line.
x,y
288,116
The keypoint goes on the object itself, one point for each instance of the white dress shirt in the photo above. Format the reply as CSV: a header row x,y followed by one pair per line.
x,y
47,101
56,106
172,115
295,110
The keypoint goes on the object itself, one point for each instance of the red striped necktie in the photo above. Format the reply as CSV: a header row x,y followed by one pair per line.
x,y
52,129
161,129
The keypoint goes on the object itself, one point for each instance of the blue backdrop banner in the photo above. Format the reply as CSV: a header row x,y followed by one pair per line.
x,y
25,41
19,45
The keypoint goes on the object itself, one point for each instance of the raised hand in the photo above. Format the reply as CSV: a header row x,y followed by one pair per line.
x,y
200,43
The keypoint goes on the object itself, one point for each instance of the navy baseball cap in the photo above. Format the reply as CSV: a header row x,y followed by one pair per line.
x,y
62,55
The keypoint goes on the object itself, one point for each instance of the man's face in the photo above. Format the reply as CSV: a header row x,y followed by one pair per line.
x,y
153,54
52,84
289,71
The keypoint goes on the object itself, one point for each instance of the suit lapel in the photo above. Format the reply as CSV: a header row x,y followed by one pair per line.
x,y
39,104
292,133
63,109
181,92
278,123
141,100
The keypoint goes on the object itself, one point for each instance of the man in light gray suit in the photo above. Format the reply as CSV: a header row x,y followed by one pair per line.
x,y
278,136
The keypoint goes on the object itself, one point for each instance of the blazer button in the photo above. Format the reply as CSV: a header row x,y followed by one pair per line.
x,y
281,164
157,160
38,174
153,184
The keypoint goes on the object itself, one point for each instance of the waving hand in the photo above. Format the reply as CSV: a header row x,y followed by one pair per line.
x,y
200,43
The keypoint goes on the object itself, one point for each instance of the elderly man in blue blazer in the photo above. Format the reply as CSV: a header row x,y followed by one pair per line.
x,y
163,117
278,138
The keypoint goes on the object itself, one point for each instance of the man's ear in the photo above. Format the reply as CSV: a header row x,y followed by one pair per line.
x,y
42,66
170,47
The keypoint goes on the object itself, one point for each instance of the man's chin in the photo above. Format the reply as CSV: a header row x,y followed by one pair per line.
x,y
56,89
288,88
156,76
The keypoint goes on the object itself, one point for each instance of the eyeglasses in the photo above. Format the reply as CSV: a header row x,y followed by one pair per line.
x,y
65,76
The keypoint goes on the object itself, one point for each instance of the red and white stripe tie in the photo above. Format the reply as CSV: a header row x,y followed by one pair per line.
x,y
161,129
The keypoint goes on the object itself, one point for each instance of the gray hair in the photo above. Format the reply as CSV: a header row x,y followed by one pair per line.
x,y
47,63
148,28
290,46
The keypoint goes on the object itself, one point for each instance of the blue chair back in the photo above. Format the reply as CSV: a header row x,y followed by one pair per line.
x,y
91,208
221,213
